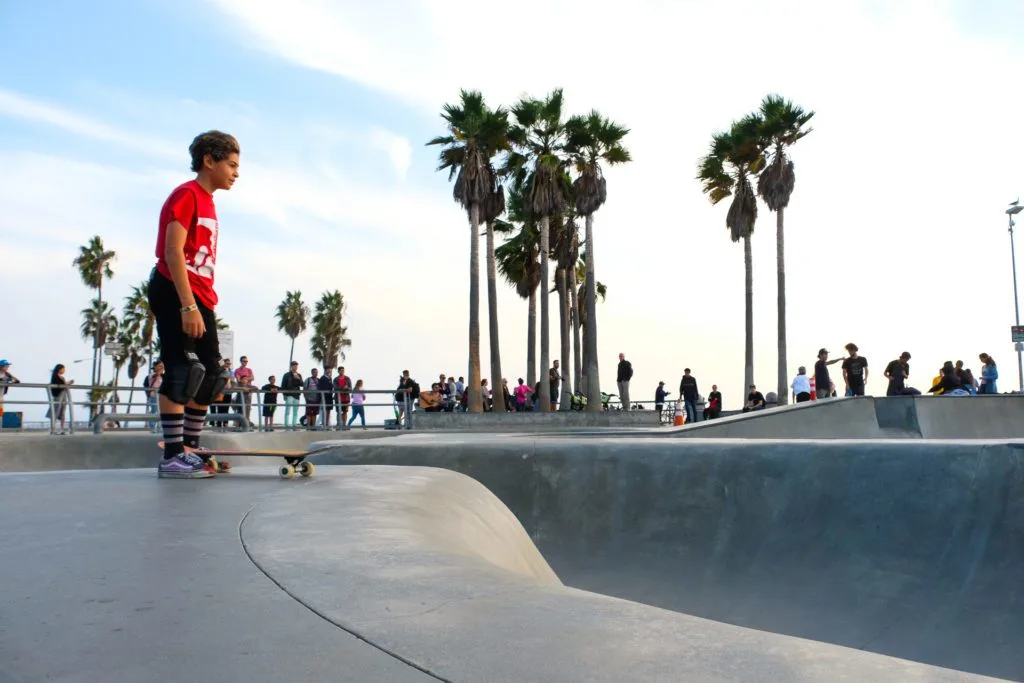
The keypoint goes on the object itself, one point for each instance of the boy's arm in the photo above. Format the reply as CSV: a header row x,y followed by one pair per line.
x,y
174,255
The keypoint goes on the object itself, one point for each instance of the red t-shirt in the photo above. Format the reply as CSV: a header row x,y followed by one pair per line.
x,y
192,206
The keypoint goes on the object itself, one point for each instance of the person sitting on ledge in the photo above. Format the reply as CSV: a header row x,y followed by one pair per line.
x,y
432,401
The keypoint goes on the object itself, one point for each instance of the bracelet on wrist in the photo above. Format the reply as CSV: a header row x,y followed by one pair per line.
x,y
189,309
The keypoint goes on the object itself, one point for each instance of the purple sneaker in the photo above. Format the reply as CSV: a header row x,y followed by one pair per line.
x,y
184,466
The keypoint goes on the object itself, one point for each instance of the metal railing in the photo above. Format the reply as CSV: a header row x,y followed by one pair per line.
x,y
314,406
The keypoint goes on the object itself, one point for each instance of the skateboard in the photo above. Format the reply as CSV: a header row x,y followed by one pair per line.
x,y
295,460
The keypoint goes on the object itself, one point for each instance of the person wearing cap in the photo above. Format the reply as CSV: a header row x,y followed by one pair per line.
x,y
801,385
822,381
6,379
659,398
291,385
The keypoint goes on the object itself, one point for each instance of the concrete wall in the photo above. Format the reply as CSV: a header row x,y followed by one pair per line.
x,y
531,422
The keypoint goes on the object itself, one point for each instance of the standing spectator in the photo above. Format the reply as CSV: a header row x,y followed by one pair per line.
x,y
522,396
326,387
407,393
688,390
659,398
343,389
6,379
358,407
801,385
152,386
989,375
291,385
311,393
453,391
555,380
59,394
245,379
269,390
460,388
822,381
622,377
714,406
855,371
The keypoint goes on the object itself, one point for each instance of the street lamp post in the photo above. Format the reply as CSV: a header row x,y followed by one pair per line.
x,y
1012,211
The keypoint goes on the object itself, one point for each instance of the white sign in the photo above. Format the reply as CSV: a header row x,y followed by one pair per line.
x,y
227,343
113,349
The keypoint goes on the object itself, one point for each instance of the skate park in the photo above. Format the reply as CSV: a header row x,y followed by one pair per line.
x,y
855,539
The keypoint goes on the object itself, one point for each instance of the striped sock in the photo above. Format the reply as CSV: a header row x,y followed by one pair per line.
x,y
194,420
173,424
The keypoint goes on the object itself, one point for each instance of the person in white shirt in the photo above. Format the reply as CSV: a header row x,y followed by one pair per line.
x,y
801,385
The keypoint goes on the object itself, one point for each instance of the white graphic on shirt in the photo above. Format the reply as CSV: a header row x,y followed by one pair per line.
x,y
205,260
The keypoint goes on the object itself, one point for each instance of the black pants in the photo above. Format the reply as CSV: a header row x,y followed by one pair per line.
x,y
174,343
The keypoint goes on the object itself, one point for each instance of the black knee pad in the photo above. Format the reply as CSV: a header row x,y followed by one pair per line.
x,y
183,380
213,384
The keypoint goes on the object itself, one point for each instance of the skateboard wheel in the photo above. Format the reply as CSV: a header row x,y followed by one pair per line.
x,y
286,471
306,469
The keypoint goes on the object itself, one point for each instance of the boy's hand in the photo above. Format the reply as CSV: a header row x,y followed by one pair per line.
x,y
192,324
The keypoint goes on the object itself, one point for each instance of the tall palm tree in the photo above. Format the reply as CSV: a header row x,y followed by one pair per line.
x,y
538,164
329,334
93,264
593,140
475,134
565,249
126,341
519,263
98,322
138,319
783,124
734,157
493,208
600,293
292,318
221,325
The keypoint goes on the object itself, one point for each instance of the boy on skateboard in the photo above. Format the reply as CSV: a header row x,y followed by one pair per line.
x,y
182,299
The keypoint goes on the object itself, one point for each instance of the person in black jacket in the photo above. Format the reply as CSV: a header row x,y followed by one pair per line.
x,y
291,385
949,382
622,377
688,390
326,386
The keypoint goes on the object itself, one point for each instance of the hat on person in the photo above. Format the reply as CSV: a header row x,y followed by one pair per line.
x,y
821,351
4,363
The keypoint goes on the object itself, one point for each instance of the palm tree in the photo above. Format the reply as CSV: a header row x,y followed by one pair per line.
x,y
126,341
329,334
221,325
518,261
98,322
93,263
476,133
566,253
292,318
593,139
725,171
538,164
138,319
782,126
600,292
493,208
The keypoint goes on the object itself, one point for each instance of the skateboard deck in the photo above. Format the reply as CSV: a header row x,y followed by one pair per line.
x,y
295,460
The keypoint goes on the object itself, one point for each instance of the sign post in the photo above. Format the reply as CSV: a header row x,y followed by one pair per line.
x,y
113,349
226,339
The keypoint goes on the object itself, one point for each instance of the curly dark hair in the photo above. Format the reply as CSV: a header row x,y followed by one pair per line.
x,y
213,142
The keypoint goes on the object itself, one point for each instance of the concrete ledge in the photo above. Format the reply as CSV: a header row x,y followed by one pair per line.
x,y
533,422
28,452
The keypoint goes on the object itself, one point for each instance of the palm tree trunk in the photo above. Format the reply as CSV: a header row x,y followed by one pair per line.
x,y
781,265
577,366
545,327
492,313
531,341
475,394
131,393
291,354
748,366
593,379
561,278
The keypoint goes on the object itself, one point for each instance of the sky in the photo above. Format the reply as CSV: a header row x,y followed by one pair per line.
x,y
895,235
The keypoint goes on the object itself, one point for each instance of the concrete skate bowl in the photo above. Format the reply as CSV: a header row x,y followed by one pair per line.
x,y
908,549
866,417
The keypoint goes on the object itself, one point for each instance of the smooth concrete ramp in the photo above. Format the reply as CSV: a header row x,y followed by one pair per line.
x,y
912,549
867,417
361,574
